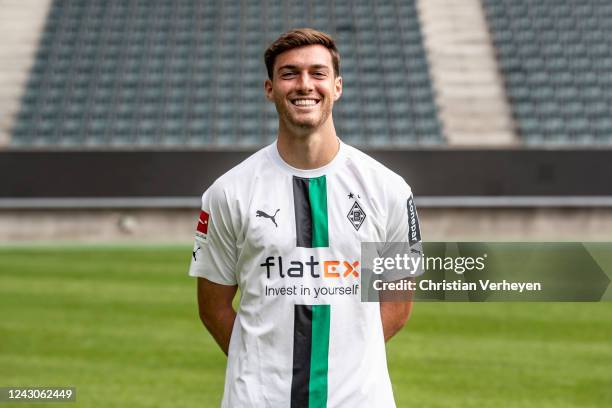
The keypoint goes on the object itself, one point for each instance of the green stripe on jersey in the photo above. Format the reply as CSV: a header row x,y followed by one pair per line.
x,y
319,357
317,195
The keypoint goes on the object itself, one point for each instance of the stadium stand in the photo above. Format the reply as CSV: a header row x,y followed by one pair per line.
x,y
162,73
556,57
168,94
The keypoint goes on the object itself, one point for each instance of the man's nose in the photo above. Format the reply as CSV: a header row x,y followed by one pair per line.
x,y
304,82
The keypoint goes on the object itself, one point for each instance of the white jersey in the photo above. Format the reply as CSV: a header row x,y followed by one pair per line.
x,y
290,239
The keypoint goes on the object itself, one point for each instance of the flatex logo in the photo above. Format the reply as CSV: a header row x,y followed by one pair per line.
x,y
330,269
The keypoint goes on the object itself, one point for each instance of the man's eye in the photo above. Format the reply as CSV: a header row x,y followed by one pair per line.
x,y
320,74
287,75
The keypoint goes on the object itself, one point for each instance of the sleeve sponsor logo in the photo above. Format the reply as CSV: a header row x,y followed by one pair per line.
x,y
414,231
202,227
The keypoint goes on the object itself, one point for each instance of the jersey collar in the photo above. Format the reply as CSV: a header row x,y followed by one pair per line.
x,y
327,169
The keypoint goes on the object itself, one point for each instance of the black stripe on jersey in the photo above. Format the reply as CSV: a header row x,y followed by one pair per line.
x,y
303,214
302,350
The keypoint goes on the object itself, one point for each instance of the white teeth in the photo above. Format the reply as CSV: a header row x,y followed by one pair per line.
x,y
305,102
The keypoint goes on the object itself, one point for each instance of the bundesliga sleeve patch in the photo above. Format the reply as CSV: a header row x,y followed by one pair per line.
x,y
414,231
202,227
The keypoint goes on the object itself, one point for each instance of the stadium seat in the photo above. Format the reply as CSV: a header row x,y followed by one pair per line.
x,y
557,64
162,73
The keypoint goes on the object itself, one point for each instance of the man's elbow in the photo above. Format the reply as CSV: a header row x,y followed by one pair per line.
x,y
399,316
208,316
405,316
399,321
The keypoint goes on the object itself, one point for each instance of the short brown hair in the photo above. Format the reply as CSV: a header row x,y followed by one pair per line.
x,y
301,37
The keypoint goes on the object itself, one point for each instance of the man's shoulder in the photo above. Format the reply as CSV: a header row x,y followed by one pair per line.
x,y
236,180
244,171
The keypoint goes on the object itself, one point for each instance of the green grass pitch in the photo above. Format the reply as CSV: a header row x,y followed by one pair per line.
x,y
121,325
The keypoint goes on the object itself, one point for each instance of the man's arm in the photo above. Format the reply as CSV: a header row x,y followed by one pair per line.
x,y
394,316
395,308
216,310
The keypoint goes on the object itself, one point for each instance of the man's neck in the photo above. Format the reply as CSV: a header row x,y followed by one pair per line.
x,y
308,151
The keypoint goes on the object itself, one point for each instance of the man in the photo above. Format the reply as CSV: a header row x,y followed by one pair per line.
x,y
285,226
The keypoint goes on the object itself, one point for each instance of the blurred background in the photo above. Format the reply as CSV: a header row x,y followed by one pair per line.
x,y
115,116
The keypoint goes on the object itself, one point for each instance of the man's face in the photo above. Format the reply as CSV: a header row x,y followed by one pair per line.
x,y
303,87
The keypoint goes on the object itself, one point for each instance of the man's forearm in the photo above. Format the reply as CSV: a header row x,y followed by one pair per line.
x,y
220,326
394,316
216,310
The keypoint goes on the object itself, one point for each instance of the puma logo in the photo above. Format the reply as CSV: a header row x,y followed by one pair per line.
x,y
194,253
260,213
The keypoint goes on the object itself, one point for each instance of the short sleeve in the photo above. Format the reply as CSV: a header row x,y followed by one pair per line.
x,y
402,224
214,250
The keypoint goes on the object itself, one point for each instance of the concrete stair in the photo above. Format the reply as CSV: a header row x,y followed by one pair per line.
x,y
470,94
21,24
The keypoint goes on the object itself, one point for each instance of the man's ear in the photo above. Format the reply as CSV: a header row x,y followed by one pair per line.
x,y
337,88
268,89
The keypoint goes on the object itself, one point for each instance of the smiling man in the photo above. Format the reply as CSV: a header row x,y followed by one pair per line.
x,y
285,226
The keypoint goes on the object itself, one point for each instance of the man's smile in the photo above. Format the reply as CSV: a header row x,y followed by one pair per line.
x,y
305,101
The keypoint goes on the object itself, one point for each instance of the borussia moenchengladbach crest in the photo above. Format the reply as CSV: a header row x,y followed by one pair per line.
x,y
356,215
